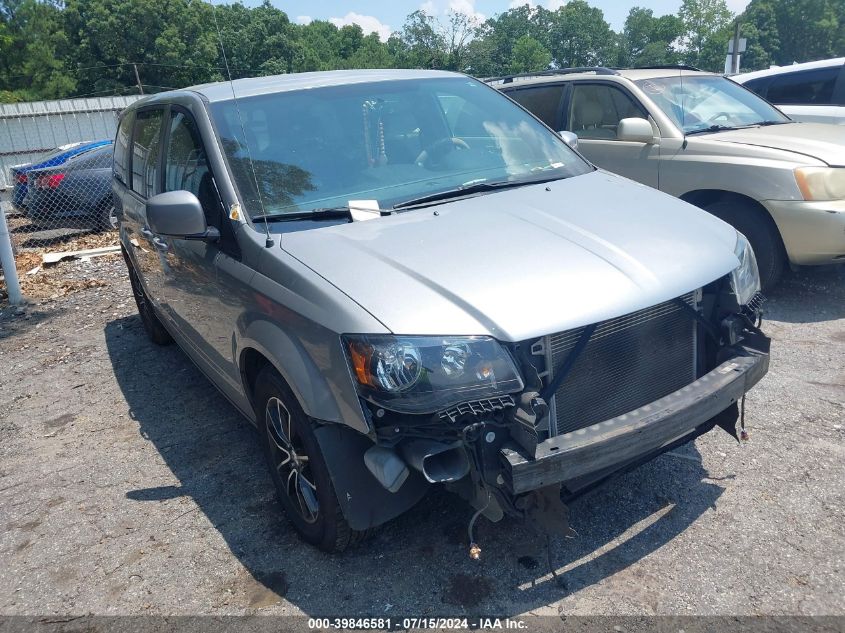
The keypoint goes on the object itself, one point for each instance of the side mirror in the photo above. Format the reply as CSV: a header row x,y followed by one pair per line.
x,y
570,138
179,214
636,130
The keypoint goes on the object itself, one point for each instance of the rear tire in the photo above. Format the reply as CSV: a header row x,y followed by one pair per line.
x,y
300,475
103,217
762,234
155,330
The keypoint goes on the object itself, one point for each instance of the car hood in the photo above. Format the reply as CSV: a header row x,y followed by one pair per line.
x,y
523,262
822,141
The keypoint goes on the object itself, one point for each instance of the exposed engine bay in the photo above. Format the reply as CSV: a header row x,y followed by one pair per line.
x,y
597,401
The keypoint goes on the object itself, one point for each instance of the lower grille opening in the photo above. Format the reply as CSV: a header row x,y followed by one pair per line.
x,y
629,362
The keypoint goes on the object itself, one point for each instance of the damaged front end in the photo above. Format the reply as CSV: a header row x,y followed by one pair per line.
x,y
544,420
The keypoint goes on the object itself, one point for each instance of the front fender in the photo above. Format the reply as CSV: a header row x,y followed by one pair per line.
x,y
325,393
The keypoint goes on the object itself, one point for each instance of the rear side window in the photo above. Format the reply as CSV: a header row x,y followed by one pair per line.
x,y
542,101
146,142
810,87
101,159
121,148
92,159
758,85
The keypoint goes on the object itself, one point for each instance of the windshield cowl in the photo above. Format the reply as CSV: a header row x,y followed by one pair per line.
x,y
473,189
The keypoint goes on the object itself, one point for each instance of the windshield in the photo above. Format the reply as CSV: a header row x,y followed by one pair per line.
x,y
700,103
387,142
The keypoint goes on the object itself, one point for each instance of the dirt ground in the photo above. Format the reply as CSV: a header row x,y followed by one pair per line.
x,y
129,486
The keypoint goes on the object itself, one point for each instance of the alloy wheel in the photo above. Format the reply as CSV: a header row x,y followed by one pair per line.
x,y
290,461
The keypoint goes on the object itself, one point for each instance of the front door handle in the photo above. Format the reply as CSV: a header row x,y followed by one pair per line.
x,y
159,243
146,233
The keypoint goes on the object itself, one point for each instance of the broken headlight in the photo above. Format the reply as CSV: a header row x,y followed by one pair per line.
x,y
745,278
425,374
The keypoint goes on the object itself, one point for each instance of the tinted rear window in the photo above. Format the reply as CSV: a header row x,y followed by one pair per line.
x,y
543,102
809,87
92,159
758,85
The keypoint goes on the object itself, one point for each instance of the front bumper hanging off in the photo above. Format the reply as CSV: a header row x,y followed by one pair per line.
x,y
612,445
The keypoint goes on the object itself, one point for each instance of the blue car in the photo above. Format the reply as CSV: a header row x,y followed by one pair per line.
x,y
76,194
52,158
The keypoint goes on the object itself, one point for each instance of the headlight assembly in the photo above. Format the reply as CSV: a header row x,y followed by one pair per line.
x,y
821,183
745,278
424,374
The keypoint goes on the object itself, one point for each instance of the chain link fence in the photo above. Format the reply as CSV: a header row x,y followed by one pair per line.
x,y
55,183
55,171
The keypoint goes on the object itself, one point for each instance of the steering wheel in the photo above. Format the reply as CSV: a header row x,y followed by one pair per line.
x,y
440,148
719,115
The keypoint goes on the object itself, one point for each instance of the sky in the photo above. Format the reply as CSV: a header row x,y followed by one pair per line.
x,y
385,16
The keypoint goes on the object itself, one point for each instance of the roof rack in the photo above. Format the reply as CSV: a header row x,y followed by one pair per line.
x,y
667,67
507,79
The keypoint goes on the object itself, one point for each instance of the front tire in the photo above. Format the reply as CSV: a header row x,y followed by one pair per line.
x,y
297,467
762,234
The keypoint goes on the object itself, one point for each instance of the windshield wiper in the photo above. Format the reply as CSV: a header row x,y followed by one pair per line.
x,y
715,128
471,189
722,128
320,213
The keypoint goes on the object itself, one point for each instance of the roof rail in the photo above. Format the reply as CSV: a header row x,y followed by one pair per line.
x,y
599,70
667,67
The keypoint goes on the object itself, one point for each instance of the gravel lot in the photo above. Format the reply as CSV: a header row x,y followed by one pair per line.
x,y
129,486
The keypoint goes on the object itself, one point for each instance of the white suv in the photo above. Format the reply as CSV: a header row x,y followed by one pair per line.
x,y
814,91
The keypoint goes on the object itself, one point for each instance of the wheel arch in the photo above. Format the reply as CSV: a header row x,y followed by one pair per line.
x,y
320,392
703,198
250,364
753,219
364,502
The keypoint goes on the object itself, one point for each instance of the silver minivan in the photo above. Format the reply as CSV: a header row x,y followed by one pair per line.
x,y
403,279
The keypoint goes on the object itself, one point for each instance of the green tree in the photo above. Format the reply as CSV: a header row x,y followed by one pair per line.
x,y
786,31
459,30
715,49
647,40
760,28
420,44
316,48
702,20
173,43
580,36
529,55
808,30
60,48
373,53
491,51
37,51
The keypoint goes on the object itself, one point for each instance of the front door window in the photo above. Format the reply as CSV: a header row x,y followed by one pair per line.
x,y
595,111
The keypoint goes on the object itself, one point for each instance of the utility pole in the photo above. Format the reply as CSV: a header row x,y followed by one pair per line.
x,y
7,258
734,50
138,78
